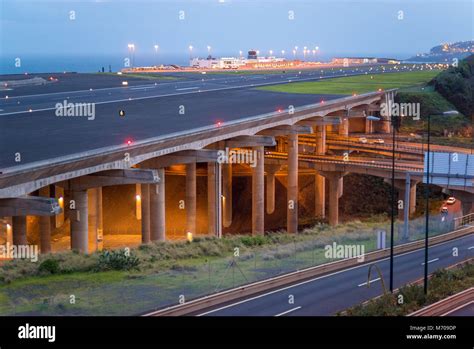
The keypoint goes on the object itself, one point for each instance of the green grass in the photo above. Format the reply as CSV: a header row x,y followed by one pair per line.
x,y
356,84
168,270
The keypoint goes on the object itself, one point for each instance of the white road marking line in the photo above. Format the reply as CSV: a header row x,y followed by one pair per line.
x,y
365,283
457,308
288,311
470,248
431,261
141,88
315,279
186,88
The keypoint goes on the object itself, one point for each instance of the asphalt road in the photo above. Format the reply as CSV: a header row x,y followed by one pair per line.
x,y
326,295
151,109
467,310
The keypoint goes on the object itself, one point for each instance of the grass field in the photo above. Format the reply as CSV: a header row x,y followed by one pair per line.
x,y
357,84
171,270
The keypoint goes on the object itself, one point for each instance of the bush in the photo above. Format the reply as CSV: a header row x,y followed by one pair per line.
x,y
49,266
117,260
253,240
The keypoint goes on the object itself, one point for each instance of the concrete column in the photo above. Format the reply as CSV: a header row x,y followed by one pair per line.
x,y
191,198
59,193
292,189
79,222
344,127
340,189
158,209
19,230
270,199
145,188
211,197
334,184
320,136
45,225
95,218
8,231
412,197
258,193
320,196
401,196
368,126
227,194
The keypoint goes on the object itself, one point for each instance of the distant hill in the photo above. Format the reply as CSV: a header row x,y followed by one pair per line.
x,y
445,53
456,84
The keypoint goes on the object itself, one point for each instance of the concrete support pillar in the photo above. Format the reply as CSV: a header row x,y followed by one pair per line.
x,y
413,197
258,193
145,198
292,189
320,135
45,225
401,196
270,199
158,209
214,202
344,127
334,188
320,196
79,222
227,194
9,231
340,189
95,218
191,198
19,230
368,126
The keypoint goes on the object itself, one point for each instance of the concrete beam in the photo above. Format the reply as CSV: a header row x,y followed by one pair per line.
x,y
29,206
250,141
287,130
182,157
112,177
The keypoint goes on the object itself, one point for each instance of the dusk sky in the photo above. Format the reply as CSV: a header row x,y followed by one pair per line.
x,y
350,27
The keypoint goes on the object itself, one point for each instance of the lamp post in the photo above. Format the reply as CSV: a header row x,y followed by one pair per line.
x,y
395,121
190,52
156,52
131,50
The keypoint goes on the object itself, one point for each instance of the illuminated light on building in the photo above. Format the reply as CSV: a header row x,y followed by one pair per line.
x,y
61,202
138,197
189,236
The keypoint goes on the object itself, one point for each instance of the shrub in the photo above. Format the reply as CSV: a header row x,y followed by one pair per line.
x,y
253,240
49,266
117,260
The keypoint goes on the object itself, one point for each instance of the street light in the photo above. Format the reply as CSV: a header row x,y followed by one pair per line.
x,y
395,121
190,52
283,52
131,50
156,51
271,52
208,49
240,53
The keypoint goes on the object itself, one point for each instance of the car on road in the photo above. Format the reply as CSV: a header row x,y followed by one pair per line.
x,y
451,200
379,141
444,209
363,140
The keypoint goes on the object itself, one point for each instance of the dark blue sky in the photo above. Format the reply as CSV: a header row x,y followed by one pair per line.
x,y
341,26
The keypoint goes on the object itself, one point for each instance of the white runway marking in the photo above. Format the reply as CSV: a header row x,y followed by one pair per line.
x,y
186,88
365,283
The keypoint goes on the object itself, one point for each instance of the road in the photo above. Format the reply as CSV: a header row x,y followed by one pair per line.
x,y
328,294
150,110
466,310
